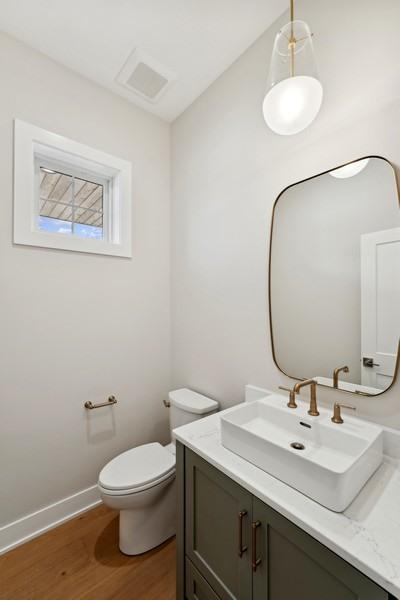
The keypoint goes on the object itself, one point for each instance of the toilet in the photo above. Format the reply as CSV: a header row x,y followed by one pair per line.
x,y
140,482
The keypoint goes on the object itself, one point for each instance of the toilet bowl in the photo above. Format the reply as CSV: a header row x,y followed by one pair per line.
x,y
140,482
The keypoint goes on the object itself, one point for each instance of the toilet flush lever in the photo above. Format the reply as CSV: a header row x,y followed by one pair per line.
x,y
166,403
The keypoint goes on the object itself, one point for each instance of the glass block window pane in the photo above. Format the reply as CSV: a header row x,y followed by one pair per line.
x,y
70,205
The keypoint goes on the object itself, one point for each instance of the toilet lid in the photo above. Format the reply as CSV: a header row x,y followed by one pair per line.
x,y
137,467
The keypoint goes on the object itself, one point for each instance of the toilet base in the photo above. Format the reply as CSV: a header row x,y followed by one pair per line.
x,y
148,525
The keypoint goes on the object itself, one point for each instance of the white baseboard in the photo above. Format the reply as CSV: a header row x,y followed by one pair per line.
x,y
18,532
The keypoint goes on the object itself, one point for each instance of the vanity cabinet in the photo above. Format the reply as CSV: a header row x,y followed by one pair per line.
x,y
232,546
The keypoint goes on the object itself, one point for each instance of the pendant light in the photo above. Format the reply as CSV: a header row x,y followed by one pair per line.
x,y
294,92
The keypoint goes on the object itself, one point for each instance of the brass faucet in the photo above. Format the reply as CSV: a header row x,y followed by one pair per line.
x,y
336,372
313,410
337,417
292,396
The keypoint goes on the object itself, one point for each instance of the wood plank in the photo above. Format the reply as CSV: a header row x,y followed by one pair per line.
x,y
80,560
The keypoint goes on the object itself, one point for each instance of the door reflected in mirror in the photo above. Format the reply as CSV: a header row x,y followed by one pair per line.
x,y
335,278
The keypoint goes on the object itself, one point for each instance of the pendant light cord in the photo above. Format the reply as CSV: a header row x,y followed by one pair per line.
x,y
292,41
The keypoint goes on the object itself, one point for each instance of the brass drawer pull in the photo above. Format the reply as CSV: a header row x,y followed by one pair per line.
x,y
241,549
255,562
111,400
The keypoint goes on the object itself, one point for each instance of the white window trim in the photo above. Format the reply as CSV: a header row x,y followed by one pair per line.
x,y
31,141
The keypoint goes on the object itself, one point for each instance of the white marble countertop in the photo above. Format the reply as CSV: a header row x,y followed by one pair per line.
x,y
367,534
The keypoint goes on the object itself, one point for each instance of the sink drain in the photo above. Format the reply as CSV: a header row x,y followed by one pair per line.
x,y
297,446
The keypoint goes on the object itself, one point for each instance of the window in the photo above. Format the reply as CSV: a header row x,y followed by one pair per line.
x,y
69,196
71,203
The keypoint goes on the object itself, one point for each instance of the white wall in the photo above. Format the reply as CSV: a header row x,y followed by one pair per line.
x,y
228,168
316,268
77,327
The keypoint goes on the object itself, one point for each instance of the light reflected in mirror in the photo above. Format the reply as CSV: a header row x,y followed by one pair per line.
x,y
335,278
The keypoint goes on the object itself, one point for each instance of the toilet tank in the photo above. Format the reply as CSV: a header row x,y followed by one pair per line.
x,y
187,406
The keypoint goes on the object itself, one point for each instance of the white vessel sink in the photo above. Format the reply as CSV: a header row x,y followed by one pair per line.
x,y
331,463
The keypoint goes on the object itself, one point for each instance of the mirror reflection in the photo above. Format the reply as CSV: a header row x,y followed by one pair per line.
x,y
335,277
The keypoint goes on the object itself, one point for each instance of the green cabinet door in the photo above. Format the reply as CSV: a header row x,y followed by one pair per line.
x,y
197,587
295,566
217,529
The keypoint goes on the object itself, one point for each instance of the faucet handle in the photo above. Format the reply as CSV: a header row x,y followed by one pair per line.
x,y
292,396
337,417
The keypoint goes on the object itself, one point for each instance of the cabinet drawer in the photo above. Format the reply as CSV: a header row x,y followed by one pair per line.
x,y
197,587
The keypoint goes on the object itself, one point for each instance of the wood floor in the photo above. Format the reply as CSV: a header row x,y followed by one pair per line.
x,y
80,560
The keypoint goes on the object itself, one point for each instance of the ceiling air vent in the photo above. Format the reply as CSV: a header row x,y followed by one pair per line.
x,y
144,76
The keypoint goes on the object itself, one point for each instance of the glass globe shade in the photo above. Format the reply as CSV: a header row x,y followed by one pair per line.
x,y
294,92
292,104
350,170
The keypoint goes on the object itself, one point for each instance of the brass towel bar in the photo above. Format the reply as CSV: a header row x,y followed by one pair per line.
x,y
111,400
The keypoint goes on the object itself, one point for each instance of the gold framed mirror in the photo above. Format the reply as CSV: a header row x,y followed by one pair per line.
x,y
334,277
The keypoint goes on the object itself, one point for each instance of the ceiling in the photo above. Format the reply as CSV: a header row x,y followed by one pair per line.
x,y
194,39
